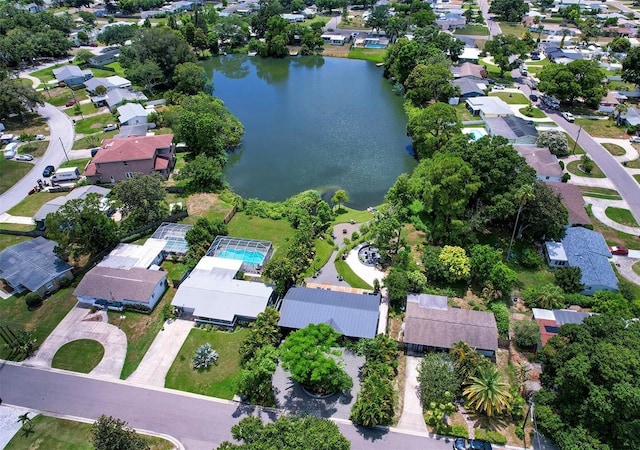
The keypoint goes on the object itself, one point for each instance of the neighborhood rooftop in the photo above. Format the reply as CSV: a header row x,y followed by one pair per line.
x,y
134,285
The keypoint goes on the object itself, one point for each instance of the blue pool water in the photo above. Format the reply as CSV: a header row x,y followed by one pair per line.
x,y
250,257
475,134
375,46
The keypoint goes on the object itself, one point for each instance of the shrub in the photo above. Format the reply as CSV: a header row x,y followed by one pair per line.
x,y
530,259
566,177
491,436
561,163
33,300
568,278
459,431
65,282
583,301
144,309
205,356
526,333
501,312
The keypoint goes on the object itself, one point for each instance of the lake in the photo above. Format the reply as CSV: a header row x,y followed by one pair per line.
x,y
313,123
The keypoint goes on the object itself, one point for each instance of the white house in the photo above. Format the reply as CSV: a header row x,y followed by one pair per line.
x,y
486,107
132,114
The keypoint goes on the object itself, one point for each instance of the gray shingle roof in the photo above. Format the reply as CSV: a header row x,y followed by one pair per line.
x,y
108,283
511,127
588,250
443,328
572,199
353,315
31,264
569,316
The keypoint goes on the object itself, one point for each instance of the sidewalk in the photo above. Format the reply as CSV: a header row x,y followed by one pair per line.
x,y
163,351
22,220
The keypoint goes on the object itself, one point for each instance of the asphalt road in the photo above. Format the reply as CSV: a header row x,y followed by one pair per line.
x,y
61,133
199,423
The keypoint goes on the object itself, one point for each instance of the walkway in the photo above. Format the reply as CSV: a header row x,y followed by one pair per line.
x,y
165,347
412,418
80,323
22,220
598,207
368,273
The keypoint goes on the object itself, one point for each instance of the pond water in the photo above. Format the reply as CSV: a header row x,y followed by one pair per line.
x,y
313,123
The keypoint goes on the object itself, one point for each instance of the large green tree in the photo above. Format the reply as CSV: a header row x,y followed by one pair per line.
x,y
544,215
310,357
631,66
15,97
109,433
509,10
431,127
287,433
263,332
506,49
202,174
142,200
578,79
190,79
427,83
80,227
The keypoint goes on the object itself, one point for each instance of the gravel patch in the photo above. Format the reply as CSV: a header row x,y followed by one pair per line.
x,y
291,397
9,424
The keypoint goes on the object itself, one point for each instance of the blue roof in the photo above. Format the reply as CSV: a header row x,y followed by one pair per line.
x,y
353,315
588,250
569,316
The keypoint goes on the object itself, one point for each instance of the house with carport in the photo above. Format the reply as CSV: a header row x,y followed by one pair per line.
x,y
431,325
33,266
133,114
488,107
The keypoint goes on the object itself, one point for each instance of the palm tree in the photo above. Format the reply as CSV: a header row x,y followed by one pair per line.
x,y
619,111
487,392
523,195
25,420
466,359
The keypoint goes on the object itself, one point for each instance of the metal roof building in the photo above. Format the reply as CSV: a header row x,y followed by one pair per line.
x,y
353,315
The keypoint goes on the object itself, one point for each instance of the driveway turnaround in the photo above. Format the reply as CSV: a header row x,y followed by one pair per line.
x,y
412,419
199,422
80,323
165,347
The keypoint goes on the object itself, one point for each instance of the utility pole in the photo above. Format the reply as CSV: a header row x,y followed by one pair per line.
x,y
64,149
575,143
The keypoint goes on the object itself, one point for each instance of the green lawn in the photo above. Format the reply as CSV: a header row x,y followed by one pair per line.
x,y
32,124
473,30
514,30
637,178
511,98
529,278
634,164
602,128
12,172
351,214
350,276
613,237
85,108
175,270
220,379
636,268
574,148
50,433
81,356
117,67
60,96
141,330
463,113
7,240
621,215
94,124
209,206
32,203
79,163
575,168
42,321
34,148
597,192
614,149
323,252
277,231
46,75
369,54
534,113
92,140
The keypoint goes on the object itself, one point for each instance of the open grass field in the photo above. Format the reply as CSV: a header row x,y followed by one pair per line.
x,y
221,378
597,192
346,214
42,321
46,75
621,215
209,206
141,330
276,231
350,276
32,124
575,167
85,109
117,67
375,55
94,124
32,203
472,30
60,96
50,433
12,172
511,98
512,29
614,149
602,128
80,356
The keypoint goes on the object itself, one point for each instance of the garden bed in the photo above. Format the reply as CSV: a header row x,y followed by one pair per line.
x,y
575,167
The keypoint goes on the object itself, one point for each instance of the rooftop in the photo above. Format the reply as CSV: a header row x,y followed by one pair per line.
x,y
588,250
541,159
572,198
352,315
114,284
132,148
490,105
510,127
129,256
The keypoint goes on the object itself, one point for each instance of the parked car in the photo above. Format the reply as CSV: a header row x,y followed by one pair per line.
x,y
94,151
533,97
619,250
491,81
635,139
110,127
48,171
24,157
498,87
460,444
568,117
477,444
70,103
40,137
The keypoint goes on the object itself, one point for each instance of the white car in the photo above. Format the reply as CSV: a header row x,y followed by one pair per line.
x,y
110,127
498,87
39,137
24,157
568,117
635,139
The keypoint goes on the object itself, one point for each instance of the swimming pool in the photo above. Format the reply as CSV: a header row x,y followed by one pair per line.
x,y
476,133
250,257
375,46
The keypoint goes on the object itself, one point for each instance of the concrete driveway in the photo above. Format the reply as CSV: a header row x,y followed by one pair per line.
x,y
412,419
80,323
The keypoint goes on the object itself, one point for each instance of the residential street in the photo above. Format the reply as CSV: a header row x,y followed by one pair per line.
x,y
61,129
200,423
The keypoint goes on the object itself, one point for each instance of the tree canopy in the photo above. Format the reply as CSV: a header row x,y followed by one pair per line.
x,y
15,97
109,433
509,10
142,200
577,79
631,66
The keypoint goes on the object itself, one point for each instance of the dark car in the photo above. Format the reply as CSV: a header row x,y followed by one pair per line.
x,y
619,250
460,444
477,444
48,171
70,103
533,97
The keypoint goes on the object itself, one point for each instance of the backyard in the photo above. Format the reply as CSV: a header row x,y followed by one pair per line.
x,y
220,379
51,433
252,227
